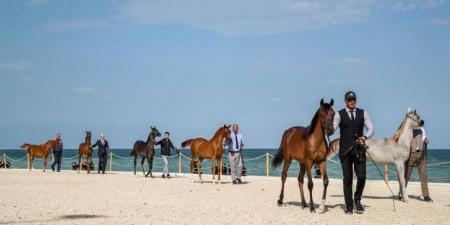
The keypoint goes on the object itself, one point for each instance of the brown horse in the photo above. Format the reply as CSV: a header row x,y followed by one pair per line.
x,y
85,150
42,150
307,145
212,149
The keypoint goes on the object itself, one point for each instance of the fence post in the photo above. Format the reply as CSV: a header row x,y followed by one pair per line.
x,y
110,162
28,160
4,160
386,172
267,164
179,163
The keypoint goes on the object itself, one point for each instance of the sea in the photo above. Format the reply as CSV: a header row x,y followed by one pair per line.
x,y
255,161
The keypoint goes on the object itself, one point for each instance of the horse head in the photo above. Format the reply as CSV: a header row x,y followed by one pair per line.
x,y
226,133
25,146
326,116
413,116
154,133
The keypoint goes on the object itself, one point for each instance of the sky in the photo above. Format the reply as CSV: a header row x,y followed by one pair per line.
x,y
189,67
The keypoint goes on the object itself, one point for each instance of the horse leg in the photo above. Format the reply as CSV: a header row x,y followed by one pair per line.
x,y
401,179
286,165
310,187
213,163
134,164
323,171
32,160
220,169
79,163
88,163
142,165
150,167
199,169
300,179
44,162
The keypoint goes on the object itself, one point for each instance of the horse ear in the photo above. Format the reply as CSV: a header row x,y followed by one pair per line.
x,y
229,126
321,102
408,110
332,102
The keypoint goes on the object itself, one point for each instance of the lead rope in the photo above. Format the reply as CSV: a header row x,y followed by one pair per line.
x,y
381,174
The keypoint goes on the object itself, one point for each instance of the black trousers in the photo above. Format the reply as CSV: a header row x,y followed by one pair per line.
x,y
349,162
102,160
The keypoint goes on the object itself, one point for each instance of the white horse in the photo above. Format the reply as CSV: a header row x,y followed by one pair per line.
x,y
394,150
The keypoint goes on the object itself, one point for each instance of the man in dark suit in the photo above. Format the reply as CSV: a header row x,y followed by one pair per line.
x,y
103,149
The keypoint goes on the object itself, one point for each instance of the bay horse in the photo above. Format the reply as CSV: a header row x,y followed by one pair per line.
x,y
146,150
85,150
208,149
308,146
394,150
42,150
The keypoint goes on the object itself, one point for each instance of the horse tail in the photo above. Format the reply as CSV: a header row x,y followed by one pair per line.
x,y
278,159
187,143
334,148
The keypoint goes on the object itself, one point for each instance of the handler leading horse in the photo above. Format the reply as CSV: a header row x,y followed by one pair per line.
x,y
307,145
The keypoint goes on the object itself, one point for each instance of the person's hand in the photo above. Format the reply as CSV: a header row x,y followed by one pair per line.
x,y
426,141
362,140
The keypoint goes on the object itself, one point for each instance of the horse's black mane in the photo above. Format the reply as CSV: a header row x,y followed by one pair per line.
x,y
310,129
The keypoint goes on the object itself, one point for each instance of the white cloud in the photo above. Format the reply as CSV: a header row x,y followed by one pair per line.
x,y
14,66
84,90
408,5
58,26
37,2
261,17
441,22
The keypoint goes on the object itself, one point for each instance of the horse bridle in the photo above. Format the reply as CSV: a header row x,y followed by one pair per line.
x,y
414,119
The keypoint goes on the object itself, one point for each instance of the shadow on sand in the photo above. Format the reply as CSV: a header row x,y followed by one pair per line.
x,y
60,218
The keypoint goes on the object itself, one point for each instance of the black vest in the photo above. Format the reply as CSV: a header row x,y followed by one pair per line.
x,y
349,128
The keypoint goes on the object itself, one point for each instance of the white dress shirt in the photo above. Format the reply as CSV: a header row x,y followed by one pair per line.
x,y
367,122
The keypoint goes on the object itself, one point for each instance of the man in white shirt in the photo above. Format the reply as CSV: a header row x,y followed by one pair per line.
x,y
235,154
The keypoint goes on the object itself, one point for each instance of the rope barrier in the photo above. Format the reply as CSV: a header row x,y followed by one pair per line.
x,y
18,159
438,164
73,157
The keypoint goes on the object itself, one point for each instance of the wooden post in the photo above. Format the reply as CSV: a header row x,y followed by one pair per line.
x,y
110,162
28,160
267,164
179,163
386,172
4,160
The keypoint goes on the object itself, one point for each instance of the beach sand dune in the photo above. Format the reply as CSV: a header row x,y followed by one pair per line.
x,y
122,198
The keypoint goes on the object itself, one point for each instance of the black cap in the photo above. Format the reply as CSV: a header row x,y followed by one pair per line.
x,y
350,95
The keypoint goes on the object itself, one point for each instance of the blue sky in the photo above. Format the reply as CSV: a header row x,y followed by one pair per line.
x,y
189,66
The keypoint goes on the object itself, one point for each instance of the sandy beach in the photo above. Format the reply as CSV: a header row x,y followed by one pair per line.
x,y
122,198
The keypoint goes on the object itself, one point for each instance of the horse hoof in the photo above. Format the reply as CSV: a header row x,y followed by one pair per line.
x,y
312,210
280,203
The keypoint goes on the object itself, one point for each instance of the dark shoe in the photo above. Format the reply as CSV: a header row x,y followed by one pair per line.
x,y
348,211
234,182
168,175
239,181
427,199
163,176
53,169
359,207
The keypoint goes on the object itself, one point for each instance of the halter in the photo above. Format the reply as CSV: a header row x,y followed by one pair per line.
x,y
414,119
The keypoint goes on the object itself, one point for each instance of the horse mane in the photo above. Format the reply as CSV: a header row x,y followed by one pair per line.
x,y
399,131
311,128
149,138
217,133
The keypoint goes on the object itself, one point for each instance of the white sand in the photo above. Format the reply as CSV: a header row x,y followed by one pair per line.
x,y
122,198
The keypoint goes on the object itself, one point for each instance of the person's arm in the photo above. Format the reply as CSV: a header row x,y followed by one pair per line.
x,y
159,142
171,146
106,145
424,135
336,121
95,144
242,141
369,126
